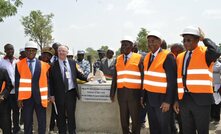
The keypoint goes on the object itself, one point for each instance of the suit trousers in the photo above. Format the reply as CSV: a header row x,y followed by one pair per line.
x,y
15,112
194,117
29,106
5,117
130,108
67,111
159,122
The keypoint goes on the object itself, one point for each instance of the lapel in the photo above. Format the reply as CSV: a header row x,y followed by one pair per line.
x,y
37,69
71,63
58,70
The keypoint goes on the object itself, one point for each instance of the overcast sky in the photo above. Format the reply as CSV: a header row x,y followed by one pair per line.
x,y
92,23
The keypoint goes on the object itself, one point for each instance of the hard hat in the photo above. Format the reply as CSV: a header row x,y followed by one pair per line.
x,y
21,50
31,44
155,34
70,52
191,30
128,38
49,50
80,52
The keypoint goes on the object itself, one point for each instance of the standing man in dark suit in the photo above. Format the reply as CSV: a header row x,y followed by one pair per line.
x,y
159,84
108,63
64,90
194,72
5,114
127,79
31,88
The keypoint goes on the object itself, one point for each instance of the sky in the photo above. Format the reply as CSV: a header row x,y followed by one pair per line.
x,y
92,23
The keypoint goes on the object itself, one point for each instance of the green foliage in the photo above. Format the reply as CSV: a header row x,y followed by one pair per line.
x,y
91,52
8,8
38,27
117,53
105,48
142,40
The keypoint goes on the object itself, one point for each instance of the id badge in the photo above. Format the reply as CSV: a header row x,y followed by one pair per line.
x,y
68,76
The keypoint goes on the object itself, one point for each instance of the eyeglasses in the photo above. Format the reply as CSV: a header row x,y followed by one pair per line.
x,y
187,40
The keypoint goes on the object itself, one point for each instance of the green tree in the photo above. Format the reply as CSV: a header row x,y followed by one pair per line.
x,y
105,48
92,53
8,8
38,27
142,40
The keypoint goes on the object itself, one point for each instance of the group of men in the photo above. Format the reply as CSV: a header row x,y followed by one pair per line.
x,y
163,82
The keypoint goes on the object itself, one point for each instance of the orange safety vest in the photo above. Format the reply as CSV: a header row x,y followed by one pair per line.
x,y
155,77
25,85
128,75
199,75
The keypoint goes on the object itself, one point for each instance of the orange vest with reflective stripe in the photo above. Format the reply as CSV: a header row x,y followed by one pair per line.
x,y
199,75
155,77
25,85
128,75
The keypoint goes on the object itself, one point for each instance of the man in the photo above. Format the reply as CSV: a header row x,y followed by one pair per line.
x,y
108,63
5,114
159,84
127,79
46,54
97,64
194,70
84,64
70,54
31,87
22,53
8,63
64,90
55,56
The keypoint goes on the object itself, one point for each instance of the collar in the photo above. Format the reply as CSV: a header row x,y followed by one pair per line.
x,y
6,57
32,60
129,55
158,50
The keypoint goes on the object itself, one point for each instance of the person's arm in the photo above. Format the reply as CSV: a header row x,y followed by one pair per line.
x,y
79,74
171,76
213,52
113,84
17,80
8,84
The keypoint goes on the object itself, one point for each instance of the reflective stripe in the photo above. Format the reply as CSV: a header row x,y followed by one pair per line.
x,y
128,72
45,97
24,89
151,73
199,82
179,80
153,83
180,90
129,80
25,80
199,71
43,89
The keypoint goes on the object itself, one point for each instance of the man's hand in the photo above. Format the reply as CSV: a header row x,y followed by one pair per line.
x,y
112,98
52,99
2,98
90,78
176,107
202,34
165,107
20,104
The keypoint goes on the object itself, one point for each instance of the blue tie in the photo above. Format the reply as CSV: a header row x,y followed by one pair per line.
x,y
30,65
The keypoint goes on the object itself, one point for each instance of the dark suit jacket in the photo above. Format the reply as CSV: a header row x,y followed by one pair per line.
x,y
35,82
156,99
104,67
56,80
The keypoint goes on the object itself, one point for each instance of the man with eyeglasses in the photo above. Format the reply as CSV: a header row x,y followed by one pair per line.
x,y
194,78
31,88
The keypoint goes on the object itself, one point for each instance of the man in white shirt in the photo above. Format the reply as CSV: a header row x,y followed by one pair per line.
x,y
8,62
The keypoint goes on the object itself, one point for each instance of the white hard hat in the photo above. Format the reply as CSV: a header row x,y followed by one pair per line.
x,y
21,50
156,34
31,44
191,30
128,38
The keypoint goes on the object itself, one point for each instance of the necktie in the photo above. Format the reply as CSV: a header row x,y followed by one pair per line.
x,y
185,71
65,76
125,60
151,60
30,65
55,58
